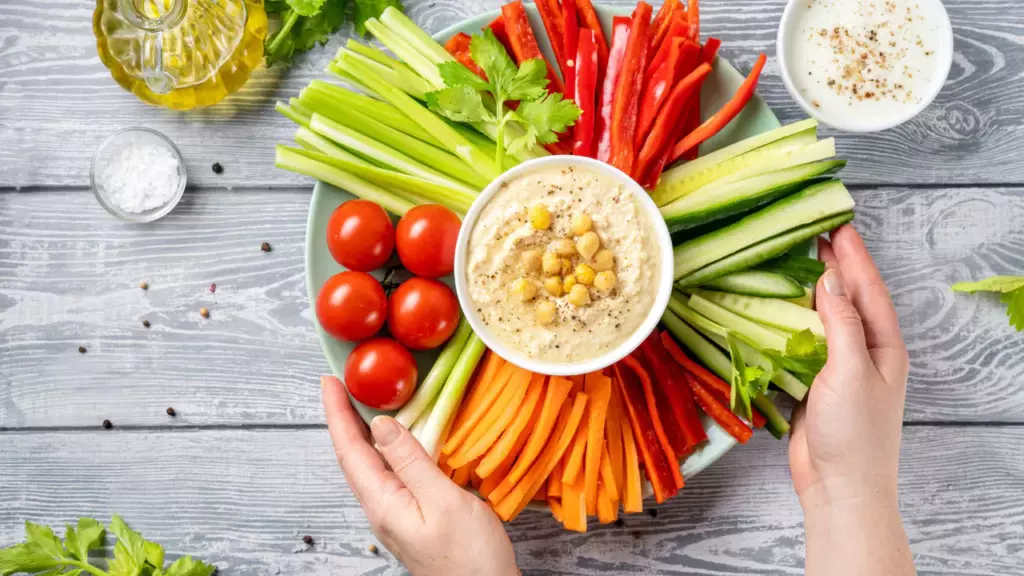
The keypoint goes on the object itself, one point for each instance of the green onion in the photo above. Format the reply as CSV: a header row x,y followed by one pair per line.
x,y
431,385
451,395
301,162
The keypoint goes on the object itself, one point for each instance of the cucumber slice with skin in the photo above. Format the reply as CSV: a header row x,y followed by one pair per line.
x,y
805,301
717,202
715,360
764,250
758,335
681,180
811,204
769,311
799,268
782,378
758,283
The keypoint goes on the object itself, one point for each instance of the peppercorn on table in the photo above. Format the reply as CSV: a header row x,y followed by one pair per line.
x,y
167,372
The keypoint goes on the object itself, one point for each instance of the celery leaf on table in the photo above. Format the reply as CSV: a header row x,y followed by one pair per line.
x,y
306,23
1011,289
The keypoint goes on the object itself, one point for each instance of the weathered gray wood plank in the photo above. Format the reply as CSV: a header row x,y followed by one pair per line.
x,y
69,277
244,499
57,101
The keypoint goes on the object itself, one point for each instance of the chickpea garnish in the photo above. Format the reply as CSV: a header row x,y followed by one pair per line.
x,y
567,283
604,260
604,281
540,217
551,263
581,224
524,289
566,266
531,260
584,274
553,285
588,245
579,295
545,313
563,247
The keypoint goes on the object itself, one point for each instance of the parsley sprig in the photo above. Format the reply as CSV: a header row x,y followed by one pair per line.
x,y
1011,289
45,554
470,98
306,23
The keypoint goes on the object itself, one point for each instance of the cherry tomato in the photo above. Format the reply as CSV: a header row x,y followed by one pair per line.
x,y
424,313
381,373
426,238
360,235
352,306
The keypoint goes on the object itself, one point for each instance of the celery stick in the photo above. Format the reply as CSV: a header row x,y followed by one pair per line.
x,y
344,101
441,160
414,35
300,163
452,140
386,155
403,79
414,58
413,188
451,394
291,113
300,109
369,52
431,385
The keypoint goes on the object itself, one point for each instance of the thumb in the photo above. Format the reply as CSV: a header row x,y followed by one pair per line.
x,y
844,329
403,453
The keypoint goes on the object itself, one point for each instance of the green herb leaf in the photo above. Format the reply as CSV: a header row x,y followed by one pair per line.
x,y
186,566
129,552
455,75
461,104
1012,290
305,7
88,536
154,554
530,82
26,557
547,116
366,9
739,396
43,537
492,58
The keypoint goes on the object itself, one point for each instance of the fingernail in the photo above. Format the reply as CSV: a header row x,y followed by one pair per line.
x,y
833,283
385,430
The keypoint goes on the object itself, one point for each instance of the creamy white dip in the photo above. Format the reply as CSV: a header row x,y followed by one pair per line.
x,y
866,60
503,232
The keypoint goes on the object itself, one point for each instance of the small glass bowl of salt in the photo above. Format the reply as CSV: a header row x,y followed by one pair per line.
x,y
137,174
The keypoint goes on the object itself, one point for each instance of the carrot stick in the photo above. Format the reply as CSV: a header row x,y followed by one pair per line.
x,y
500,415
514,437
632,497
476,413
556,509
474,480
613,438
574,506
605,509
485,372
500,470
599,388
568,422
577,385
445,468
574,459
607,476
555,480
541,495
719,412
558,389
461,476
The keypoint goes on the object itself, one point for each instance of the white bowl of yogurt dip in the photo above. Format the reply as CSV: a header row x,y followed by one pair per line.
x,y
864,65
563,265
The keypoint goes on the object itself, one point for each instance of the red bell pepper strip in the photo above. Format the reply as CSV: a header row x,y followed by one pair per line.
x,y
671,378
670,12
719,412
458,46
524,43
692,120
657,86
585,94
588,19
658,467
693,16
501,33
659,141
721,118
570,44
657,57
673,430
631,363
551,15
627,97
605,99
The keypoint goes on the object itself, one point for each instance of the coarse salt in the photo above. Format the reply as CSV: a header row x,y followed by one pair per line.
x,y
141,177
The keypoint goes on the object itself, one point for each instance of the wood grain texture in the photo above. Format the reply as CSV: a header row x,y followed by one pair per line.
x,y
57,101
69,277
244,499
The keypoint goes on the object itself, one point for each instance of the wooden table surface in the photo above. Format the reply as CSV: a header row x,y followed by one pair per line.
x,y
245,469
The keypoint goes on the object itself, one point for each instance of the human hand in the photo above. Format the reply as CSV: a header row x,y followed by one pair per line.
x,y
431,525
846,438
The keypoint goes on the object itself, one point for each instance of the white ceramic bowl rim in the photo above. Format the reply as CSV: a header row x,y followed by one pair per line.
x,y
853,122
664,284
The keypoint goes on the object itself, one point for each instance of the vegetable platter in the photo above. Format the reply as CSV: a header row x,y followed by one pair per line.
x,y
742,213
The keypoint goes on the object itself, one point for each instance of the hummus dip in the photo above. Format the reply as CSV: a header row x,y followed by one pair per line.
x,y
505,231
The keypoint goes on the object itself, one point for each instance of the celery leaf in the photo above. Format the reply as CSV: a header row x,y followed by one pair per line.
x,y
1012,290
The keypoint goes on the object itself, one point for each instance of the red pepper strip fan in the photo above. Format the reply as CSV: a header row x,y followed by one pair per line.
x,y
501,33
627,100
721,118
570,44
585,94
524,43
669,422
588,19
458,47
606,98
707,54
662,22
551,15
656,89
671,378
719,412
659,141
631,363
657,466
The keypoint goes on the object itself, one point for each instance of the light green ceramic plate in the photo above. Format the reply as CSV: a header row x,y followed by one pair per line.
x,y
720,85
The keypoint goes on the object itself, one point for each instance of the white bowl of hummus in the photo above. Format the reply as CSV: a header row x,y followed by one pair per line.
x,y
563,265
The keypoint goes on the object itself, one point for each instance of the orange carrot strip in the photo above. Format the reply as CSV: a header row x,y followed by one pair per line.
x,y
577,385
474,480
606,513
574,506
541,495
568,422
474,413
558,389
607,477
632,497
445,468
555,480
461,476
613,438
486,372
574,459
556,509
599,388
514,437
497,418
501,469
